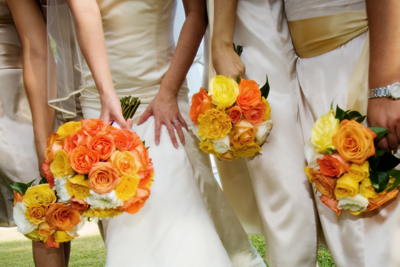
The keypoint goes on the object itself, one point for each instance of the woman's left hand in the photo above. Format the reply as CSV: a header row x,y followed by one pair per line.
x,y
165,110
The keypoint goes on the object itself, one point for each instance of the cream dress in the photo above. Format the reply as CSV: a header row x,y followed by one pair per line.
x,y
186,221
18,160
270,192
370,239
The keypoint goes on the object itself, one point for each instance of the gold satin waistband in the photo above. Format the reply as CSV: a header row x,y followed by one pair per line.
x,y
10,46
318,35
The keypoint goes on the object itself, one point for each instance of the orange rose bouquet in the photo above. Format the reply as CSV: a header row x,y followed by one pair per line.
x,y
41,217
345,166
233,119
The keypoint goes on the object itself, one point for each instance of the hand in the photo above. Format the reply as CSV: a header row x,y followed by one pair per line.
x,y
226,62
111,111
165,110
385,112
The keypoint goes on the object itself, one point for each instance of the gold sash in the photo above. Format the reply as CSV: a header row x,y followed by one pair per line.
x,y
318,35
10,46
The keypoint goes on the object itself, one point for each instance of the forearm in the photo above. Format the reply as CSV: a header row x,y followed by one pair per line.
x,y
189,40
91,39
384,30
224,22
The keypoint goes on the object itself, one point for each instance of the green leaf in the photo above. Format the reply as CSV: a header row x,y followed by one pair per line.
x,y
380,131
379,152
331,106
239,78
353,114
238,49
86,177
20,187
361,119
330,151
387,162
30,183
265,89
43,181
395,174
144,142
379,180
339,113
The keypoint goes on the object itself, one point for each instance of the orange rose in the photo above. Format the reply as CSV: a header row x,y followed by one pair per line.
x,y
103,145
249,94
200,103
92,126
36,213
45,229
235,114
18,197
51,139
136,203
331,203
242,134
103,178
324,184
61,216
51,151
83,138
70,142
48,174
79,205
333,165
125,163
379,201
228,156
82,159
142,155
125,139
51,242
255,114
109,129
354,142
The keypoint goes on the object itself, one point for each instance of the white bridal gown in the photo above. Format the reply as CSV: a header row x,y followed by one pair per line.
x,y
370,239
186,221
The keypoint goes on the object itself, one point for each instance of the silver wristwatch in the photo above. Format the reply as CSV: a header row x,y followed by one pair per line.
x,y
392,91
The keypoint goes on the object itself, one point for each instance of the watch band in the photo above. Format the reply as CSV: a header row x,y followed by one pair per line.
x,y
379,92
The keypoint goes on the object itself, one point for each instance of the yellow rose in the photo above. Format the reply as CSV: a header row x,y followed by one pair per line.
x,y
45,230
102,213
309,175
60,167
246,151
39,194
323,130
346,186
267,114
36,213
389,185
150,182
62,236
358,172
354,212
228,156
68,128
126,189
34,235
214,124
125,163
367,190
208,147
78,187
223,91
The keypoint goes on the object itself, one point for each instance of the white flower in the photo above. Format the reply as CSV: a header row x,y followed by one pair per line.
x,y
104,201
23,224
357,203
311,155
221,145
61,189
263,131
77,227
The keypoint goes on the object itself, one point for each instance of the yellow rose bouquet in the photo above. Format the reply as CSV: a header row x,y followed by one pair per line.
x,y
40,217
344,165
100,170
233,119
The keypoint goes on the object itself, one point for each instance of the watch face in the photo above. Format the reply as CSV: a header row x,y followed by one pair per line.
x,y
395,91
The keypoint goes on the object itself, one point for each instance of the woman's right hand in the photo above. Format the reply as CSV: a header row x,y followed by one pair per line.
x,y
227,62
111,111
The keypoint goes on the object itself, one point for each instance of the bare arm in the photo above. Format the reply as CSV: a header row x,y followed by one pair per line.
x,y
91,39
225,60
164,107
384,69
32,31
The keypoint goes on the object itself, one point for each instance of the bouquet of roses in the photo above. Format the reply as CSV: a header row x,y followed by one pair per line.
x,y
233,119
41,217
346,167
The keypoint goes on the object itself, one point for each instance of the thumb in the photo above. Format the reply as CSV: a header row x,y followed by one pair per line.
x,y
121,121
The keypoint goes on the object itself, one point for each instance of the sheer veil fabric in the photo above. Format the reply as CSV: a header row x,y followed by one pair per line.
x,y
187,221
270,192
369,239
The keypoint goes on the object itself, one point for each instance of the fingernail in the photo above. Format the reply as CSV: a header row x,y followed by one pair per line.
x,y
157,142
176,145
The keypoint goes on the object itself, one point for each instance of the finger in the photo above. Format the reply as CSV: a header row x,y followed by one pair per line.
x,y
183,122
104,117
121,121
392,141
171,132
383,144
130,123
146,114
178,128
157,132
